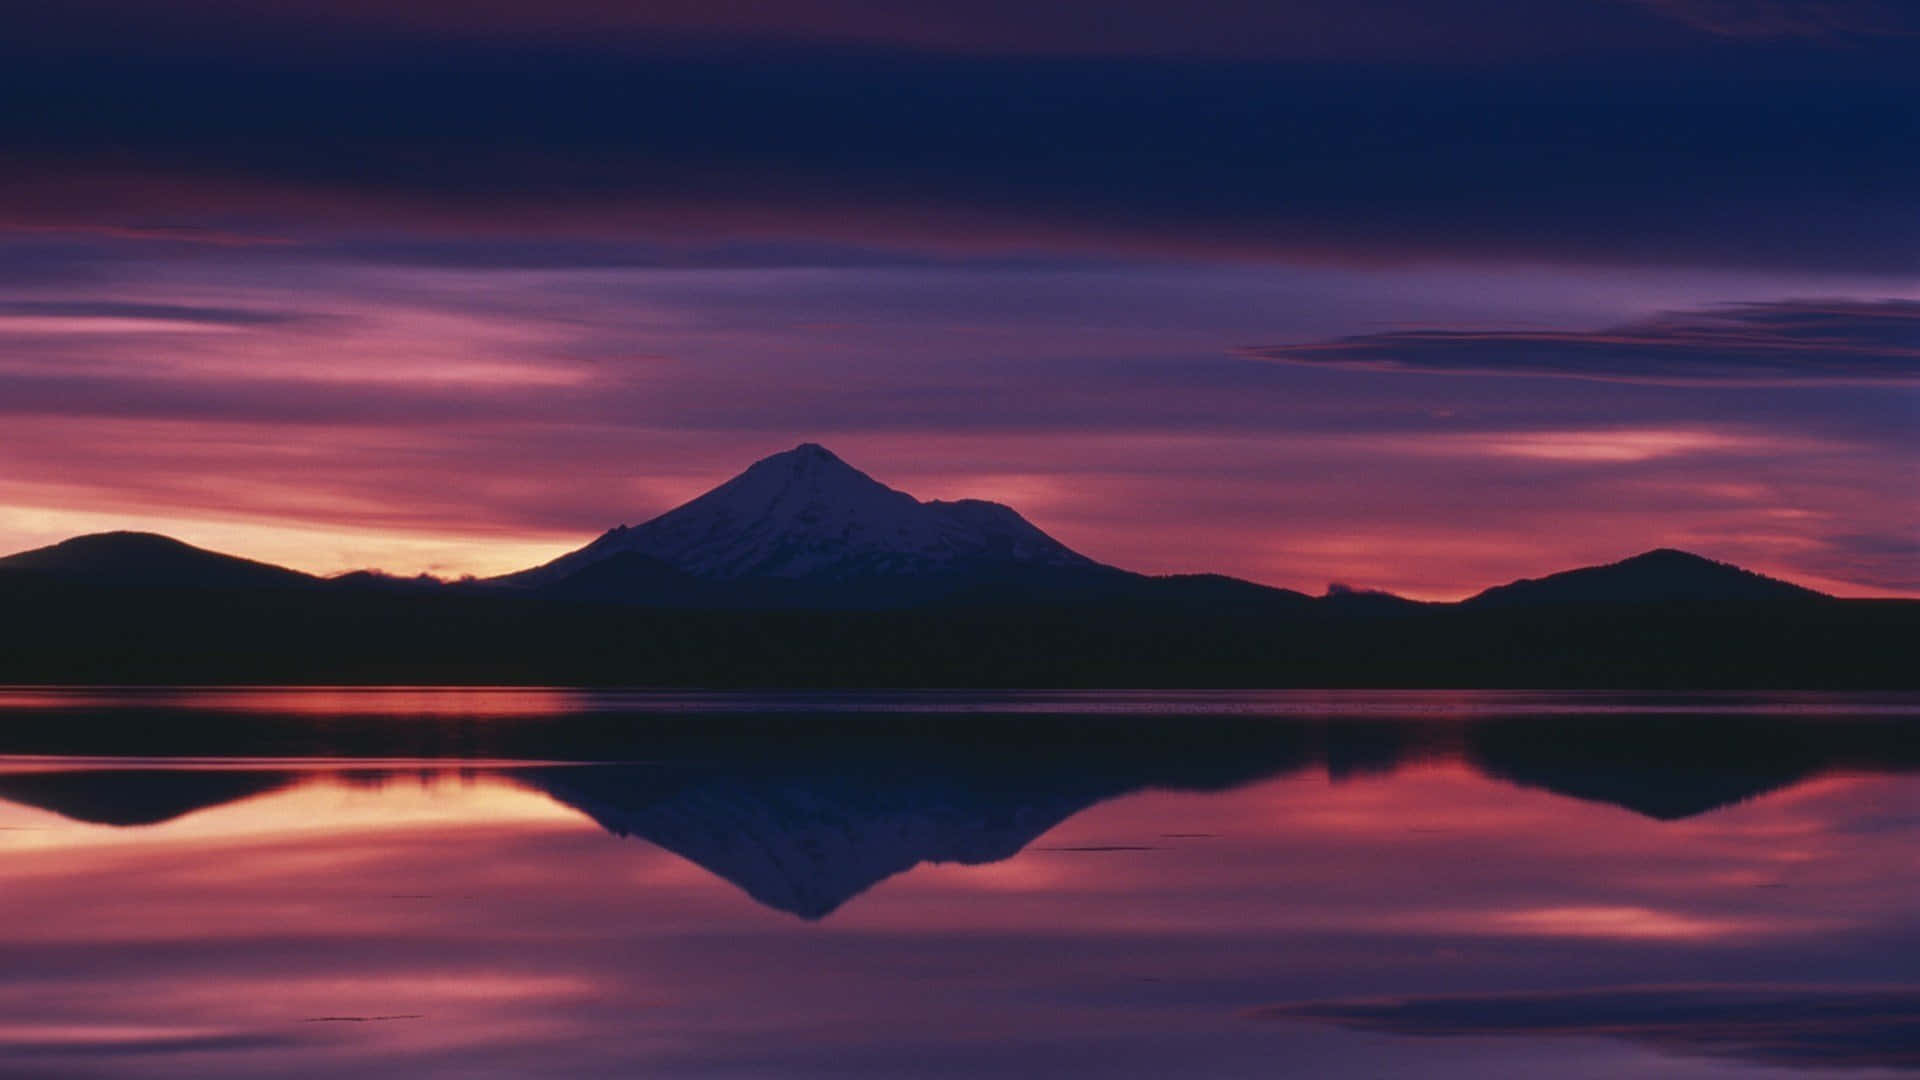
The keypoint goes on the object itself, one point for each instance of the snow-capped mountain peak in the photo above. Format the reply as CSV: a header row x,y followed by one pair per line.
x,y
806,514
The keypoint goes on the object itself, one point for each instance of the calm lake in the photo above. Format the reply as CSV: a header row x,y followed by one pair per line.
x,y
510,883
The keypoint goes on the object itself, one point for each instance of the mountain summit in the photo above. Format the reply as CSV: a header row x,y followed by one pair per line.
x,y
806,516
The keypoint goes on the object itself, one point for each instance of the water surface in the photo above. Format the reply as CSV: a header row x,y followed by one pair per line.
x,y
412,882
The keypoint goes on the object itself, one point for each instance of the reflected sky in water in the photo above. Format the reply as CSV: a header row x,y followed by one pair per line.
x,y
1335,892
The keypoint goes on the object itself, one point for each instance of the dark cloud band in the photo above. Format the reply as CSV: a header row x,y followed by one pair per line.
x,y
1782,343
180,313
1804,164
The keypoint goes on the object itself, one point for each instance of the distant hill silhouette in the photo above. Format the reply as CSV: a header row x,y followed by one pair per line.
x,y
148,559
803,571
1661,576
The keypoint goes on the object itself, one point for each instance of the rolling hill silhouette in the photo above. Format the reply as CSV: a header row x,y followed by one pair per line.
x,y
148,559
1660,577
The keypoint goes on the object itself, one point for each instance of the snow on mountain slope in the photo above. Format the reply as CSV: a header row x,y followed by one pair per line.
x,y
807,514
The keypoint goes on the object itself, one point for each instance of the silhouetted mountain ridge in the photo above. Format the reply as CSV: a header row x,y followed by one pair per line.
x,y
803,571
803,529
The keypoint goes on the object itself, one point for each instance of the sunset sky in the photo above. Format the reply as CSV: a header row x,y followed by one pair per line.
x,y
1403,294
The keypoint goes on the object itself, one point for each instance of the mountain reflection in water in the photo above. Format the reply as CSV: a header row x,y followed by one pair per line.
x,y
1672,889
804,822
